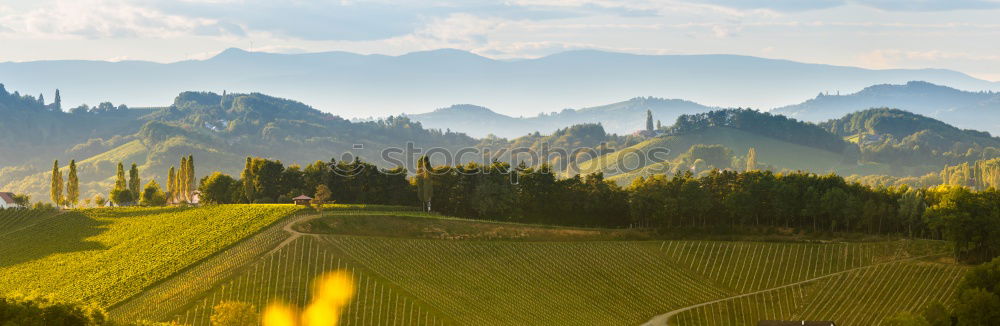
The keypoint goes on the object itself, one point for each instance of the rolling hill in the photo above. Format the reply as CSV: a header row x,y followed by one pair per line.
x,y
620,118
903,138
773,152
219,130
967,110
222,129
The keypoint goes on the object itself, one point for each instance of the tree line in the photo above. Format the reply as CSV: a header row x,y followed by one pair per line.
x,y
716,201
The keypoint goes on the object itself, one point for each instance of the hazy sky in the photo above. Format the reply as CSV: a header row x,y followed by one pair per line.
x,y
963,35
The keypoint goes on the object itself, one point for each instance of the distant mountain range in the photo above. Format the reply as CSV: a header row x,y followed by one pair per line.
x,y
620,118
355,85
968,110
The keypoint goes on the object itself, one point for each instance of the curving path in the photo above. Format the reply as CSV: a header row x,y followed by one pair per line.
x,y
289,227
664,319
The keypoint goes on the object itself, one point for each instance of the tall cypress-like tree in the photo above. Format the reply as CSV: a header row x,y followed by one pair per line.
x,y
181,173
425,187
649,120
752,159
171,185
72,185
120,195
120,182
189,185
134,183
249,190
57,103
56,191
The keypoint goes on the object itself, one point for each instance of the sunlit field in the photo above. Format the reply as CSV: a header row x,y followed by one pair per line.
x,y
578,276
108,255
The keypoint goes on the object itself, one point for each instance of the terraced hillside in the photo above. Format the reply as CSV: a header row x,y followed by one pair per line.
x,y
437,271
107,255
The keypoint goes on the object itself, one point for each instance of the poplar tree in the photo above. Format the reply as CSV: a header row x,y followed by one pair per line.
x,y
649,120
56,191
425,187
57,103
171,185
179,179
189,185
134,183
248,184
752,159
120,195
72,185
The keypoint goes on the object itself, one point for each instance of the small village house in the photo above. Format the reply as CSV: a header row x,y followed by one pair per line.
x,y
7,201
302,200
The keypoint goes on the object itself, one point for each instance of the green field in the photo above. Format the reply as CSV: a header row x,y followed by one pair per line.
x,y
107,255
416,268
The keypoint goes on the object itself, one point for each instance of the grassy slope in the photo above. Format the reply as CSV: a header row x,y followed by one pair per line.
x,y
493,277
769,151
780,154
107,255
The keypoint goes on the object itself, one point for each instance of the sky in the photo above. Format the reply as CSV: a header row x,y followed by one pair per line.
x,y
962,35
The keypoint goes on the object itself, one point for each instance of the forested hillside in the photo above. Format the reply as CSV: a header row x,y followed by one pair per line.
x,y
762,123
33,130
220,130
972,110
898,137
575,143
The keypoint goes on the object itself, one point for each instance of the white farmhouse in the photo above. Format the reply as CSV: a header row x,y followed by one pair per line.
x,y
7,201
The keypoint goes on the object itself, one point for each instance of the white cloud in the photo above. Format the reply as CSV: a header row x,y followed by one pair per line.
x,y
97,19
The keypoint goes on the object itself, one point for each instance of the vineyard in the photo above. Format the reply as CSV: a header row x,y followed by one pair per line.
x,y
415,268
861,297
12,220
107,255
430,281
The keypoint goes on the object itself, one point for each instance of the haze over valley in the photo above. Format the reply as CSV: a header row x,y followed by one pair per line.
x,y
635,162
